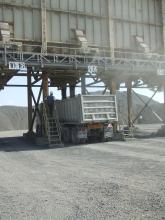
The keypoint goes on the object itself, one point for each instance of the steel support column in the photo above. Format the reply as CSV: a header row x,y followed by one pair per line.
x,y
72,91
83,85
129,102
45,85
113,88
63,92
29,71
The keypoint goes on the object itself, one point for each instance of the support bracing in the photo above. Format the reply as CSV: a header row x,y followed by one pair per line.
x,y
145,106
154,113
36,111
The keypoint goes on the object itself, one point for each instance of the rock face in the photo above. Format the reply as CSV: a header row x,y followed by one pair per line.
x,y
13,118
16,118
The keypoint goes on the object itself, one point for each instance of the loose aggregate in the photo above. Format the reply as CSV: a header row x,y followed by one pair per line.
x,y
113,180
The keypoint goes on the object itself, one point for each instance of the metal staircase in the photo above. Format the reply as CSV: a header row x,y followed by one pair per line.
x,y
52,127
128,133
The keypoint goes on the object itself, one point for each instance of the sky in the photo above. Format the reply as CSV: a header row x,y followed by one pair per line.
x,y
18,96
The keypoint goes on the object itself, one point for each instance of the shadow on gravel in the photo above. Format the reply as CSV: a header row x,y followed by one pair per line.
x,y
11,144
14,144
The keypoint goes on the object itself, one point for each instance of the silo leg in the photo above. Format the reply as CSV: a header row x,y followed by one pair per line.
x,y
83,85
129,102
63,92
113,88
29,86
45,85
72,91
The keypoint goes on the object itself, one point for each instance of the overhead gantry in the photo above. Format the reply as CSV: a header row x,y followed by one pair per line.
x,y
68,69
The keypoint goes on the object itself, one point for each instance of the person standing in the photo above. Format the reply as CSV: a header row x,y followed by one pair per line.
x,y
50,103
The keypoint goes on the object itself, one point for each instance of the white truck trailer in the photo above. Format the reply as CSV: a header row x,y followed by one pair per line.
x,y
87,117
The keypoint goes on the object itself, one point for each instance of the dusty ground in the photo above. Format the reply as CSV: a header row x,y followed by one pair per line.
x,y
120,181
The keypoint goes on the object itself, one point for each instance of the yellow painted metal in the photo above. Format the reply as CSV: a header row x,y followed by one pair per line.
x,y
94,126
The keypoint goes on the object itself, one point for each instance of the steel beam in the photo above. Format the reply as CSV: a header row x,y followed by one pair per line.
x,y
63,92
113,88
154,113
30,129
36,102
83,85
72,91
127,62
129,102
45,85
145,106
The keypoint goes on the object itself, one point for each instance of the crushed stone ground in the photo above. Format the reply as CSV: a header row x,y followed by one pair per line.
x,y
115,180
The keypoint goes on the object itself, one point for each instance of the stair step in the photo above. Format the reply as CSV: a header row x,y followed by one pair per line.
x,y
52,129
56,145
52,132
57,142
54,136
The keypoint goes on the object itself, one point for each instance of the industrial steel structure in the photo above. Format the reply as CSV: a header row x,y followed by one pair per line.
x,y
59,41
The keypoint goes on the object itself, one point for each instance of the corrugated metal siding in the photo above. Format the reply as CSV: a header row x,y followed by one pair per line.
x,y
137,18
88,108
62,17
131,17
70,110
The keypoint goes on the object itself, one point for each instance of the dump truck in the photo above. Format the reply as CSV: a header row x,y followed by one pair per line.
x,y
87,118
84,118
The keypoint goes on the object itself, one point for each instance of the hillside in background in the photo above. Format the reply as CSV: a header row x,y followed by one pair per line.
x,y
15,118
148,115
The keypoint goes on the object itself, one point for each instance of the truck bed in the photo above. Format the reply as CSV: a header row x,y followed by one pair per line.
x,y
87,109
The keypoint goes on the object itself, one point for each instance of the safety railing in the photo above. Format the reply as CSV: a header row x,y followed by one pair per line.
x,y
76,57
65,50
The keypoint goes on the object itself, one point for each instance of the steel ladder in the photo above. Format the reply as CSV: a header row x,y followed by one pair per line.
x,y
53,128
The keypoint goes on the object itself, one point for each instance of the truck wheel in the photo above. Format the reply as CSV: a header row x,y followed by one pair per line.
x,y
74,139
83,141
66,135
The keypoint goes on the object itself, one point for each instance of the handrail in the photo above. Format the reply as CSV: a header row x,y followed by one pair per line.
x,y
77,51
